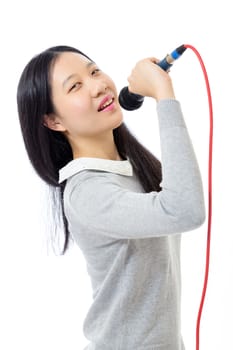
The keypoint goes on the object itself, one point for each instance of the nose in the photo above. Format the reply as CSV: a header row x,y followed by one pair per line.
x,y
97,87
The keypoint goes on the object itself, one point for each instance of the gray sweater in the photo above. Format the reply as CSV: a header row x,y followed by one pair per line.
x,y
131,239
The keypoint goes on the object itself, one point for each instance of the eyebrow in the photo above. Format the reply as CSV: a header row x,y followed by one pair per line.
x,y
73,75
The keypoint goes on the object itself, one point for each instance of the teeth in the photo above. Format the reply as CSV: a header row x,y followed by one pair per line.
x,y
106,103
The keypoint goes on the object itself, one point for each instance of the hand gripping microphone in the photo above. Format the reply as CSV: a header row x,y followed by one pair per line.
x,y
131,101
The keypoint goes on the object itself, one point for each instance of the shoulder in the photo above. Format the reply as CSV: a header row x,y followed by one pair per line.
x,y
90,183
84,179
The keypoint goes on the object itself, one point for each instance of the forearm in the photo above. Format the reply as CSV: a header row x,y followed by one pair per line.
x,y
182,189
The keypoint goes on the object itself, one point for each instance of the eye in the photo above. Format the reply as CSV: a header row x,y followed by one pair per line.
x,y
95,71
75,86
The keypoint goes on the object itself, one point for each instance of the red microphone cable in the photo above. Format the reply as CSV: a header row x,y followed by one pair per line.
x,y
209,194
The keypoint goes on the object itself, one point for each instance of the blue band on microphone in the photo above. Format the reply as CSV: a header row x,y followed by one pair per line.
x,y
175,54
164,64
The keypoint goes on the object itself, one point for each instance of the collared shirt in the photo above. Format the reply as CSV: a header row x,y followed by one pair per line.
x,y
122,167
131,240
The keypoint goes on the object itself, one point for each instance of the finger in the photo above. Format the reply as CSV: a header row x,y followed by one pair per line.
x,y
154,59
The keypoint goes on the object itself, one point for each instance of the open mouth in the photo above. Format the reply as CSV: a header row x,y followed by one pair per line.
x,y
106,104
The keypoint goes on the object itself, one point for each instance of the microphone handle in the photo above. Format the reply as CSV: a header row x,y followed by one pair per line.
x,y
129,100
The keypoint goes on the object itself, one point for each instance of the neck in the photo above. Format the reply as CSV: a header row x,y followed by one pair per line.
x,y
104,148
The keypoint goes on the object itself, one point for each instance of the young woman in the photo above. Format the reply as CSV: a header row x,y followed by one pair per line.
x,y
124,209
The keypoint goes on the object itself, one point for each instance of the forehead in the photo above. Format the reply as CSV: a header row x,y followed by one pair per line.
x,y
68,63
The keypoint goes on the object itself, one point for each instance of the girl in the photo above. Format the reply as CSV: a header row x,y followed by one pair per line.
x,y
124,209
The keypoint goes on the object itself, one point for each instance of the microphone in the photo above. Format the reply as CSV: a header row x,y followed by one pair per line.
x,y
131,101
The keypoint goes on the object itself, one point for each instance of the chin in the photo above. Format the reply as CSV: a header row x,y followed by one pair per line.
x,y
118,124
119,119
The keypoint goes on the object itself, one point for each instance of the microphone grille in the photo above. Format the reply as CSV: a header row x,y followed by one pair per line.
x,y
130,101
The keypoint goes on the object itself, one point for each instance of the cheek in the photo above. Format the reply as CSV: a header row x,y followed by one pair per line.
x,y
76,108
78,115
78,105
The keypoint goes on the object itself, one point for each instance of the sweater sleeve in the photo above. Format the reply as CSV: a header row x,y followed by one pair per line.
x,y
102,206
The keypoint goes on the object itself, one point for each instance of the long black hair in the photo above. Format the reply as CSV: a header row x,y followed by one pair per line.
x,y
49,150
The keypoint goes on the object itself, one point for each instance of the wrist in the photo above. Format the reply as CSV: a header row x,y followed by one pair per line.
x,y
165,97
164,92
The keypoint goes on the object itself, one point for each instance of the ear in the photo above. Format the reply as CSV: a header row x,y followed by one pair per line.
x,y
52,122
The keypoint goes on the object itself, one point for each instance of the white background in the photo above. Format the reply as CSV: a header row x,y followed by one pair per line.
x,y
44,298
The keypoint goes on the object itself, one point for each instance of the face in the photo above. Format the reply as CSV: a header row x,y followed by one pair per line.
x,y
85,98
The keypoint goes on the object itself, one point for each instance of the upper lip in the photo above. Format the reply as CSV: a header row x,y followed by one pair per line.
x,y
105,99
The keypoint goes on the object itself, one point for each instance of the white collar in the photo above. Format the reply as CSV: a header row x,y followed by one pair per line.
x,y
123,167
